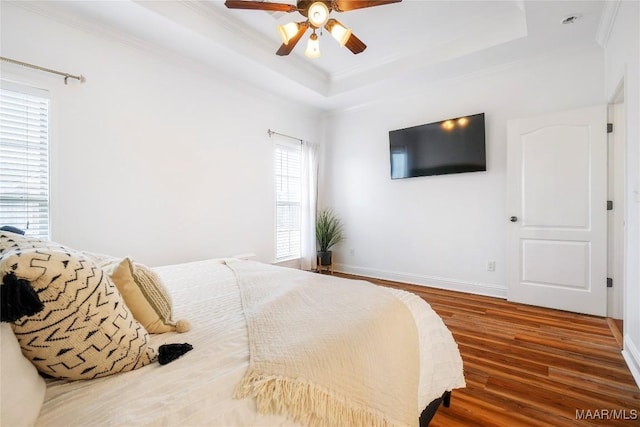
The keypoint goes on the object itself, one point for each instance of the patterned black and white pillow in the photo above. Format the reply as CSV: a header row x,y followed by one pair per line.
x,y
83,328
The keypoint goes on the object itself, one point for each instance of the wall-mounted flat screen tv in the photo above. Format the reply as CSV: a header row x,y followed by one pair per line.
x,y
445,147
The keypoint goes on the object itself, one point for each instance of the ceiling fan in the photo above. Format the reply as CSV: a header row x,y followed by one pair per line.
x,y
316,13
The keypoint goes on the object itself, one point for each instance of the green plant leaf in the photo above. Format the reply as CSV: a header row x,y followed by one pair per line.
x,y
329,230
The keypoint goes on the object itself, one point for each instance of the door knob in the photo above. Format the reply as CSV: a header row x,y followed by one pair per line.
x,y
513,219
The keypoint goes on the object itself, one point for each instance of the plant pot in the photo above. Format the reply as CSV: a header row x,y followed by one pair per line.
x,y
325,257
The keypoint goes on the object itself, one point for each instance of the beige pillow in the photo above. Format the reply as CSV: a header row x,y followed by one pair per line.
x,y
146,297
85,329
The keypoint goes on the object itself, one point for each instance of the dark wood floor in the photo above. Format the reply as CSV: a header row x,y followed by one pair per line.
x,y
531,366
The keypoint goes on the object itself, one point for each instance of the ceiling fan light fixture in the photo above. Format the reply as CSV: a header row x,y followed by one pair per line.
x,y
338,31
288,31
313,47
318,14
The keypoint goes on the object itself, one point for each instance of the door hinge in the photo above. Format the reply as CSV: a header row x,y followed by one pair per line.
x,y
609,282
609,127
609,205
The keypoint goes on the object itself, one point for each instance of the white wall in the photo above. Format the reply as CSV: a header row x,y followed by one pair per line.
x,y
622,64
442,230
150,157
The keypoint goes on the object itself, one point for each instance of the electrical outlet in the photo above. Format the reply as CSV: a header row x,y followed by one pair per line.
x,y
491,266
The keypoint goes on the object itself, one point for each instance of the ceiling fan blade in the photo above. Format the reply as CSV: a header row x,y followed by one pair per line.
x,y
286,49
260,5
346,5
355,45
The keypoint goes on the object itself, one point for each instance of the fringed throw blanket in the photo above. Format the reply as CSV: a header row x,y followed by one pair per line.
x,y
327,351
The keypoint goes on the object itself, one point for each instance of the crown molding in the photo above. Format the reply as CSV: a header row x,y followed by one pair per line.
x,y
224,29
403,59
607,21
90,26
106,32
250,45
384,96
246,35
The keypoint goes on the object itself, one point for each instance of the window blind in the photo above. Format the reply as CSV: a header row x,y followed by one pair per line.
x,y
287,175
24,162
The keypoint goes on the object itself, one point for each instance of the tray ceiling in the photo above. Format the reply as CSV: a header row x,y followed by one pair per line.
x,y
408,42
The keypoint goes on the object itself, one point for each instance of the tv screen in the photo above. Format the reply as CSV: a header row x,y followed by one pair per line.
x,y
449,146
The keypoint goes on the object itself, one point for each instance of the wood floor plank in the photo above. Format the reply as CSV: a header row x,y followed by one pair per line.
x,y
531,366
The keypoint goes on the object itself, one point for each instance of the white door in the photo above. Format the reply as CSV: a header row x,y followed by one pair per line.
x,y
556,205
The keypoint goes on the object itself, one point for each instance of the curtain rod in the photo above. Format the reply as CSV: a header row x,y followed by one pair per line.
x,y
66,76
270,132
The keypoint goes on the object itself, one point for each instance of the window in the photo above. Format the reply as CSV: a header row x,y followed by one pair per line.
x,y
287,171
399,168
24,160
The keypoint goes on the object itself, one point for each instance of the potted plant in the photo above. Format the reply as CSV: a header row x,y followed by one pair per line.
x,y
328,233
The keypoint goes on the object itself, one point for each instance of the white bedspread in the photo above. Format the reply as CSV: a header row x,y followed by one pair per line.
x,y
197,389
359,366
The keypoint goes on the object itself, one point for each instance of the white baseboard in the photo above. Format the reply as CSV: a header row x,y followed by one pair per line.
x,y
488,289
632,357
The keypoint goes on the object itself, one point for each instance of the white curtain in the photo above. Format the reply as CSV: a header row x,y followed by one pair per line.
x,y
309,201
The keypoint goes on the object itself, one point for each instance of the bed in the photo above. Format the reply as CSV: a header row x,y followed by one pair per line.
x,y
201,387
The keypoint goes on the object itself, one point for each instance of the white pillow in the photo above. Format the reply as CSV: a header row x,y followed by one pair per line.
x,y
22,389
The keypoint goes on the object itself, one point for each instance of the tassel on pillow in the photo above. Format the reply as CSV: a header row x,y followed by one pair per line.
x,y
170,352
18,299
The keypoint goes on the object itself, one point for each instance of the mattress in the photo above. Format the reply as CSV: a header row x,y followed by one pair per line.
x,y
197,389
